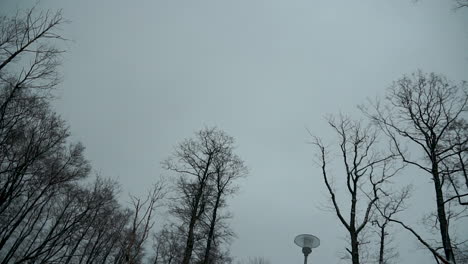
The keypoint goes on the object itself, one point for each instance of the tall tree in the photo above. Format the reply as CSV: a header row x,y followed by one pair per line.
x,y
388,206
424,112
228,167
37,162
167,244
47,213
29,132
141,223
365,170
205,167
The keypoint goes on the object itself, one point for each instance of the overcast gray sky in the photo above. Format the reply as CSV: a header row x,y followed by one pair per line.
x,y
141,76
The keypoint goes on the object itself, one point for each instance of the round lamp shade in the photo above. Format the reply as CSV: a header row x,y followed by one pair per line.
x,y
306,240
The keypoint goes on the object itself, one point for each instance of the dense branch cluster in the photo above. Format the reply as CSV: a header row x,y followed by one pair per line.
x,y
53,211
49,211
205,170
366,169
423,117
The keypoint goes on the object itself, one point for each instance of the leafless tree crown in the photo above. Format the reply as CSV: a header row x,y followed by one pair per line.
x,y
365,170
427,113
206,169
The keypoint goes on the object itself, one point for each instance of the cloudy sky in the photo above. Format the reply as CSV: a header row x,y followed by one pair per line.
x,y
140,76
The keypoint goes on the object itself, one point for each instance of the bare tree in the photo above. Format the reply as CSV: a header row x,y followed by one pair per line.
x,y
227,168
37,168
219,233
37,162
366,169
206,168
424,112
141,223
97,237
75,224
28,129
454,165
167,244
433,250
96,232
28,60
47,214
388,206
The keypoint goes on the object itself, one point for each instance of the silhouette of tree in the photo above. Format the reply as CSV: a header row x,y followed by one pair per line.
x,y
426,112
365,170
388,206
141,223
206,169
47,213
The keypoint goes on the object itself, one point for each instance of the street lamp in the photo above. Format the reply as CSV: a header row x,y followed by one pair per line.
x,y
307,243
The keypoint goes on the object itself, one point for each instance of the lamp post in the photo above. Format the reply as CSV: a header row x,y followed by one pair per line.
x,y
307,243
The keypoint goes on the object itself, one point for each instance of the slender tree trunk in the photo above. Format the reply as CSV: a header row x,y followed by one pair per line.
x,y
354,247
382,244
190,236
189,244
352,231
209,241
195,214
442,216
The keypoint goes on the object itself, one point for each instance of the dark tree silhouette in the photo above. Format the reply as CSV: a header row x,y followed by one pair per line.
x,y
141,223
228,167
388,206
167,245
29,131
366,169
206,168
47,213
427,113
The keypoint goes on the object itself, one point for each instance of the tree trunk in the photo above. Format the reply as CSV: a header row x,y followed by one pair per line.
x,y
193,218
354,247
209,241
352,224
190,242
382,244
442,216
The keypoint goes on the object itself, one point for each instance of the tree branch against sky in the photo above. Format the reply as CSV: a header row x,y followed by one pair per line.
x,y
140,77
428,111
365,171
